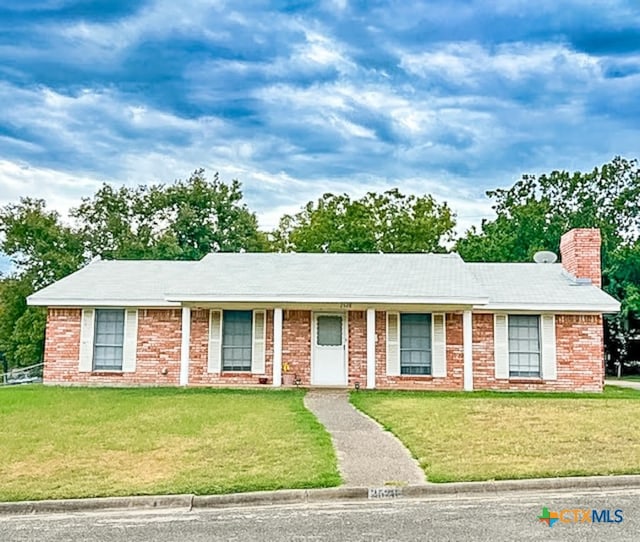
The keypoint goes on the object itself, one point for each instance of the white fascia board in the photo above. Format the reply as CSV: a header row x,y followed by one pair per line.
x,y
83,302
605,308
203,298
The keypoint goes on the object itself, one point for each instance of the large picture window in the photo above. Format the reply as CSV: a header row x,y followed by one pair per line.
x,y
415,344
236,340
524,345
108,339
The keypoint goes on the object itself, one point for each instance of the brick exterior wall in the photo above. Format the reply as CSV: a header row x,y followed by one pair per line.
x,y
357,348
296,345
580,254
158,350
199,374
454,379
579,353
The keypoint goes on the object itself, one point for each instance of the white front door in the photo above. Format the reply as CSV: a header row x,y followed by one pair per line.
x,y
328,366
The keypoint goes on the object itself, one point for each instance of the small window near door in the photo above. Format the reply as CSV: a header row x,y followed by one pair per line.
x,y
415,344
236,340
329,331
108,340
524,345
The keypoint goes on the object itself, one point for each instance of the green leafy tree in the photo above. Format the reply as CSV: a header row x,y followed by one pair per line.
x,y
43,250
387,222
181,221
184,220
533,214
41,247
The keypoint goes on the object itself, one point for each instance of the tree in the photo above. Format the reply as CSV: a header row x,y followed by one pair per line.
x,y
181,221
41,247
43,250
533,214
184,220
387,222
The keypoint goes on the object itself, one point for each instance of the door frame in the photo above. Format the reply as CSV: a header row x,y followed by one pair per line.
x,y
345,344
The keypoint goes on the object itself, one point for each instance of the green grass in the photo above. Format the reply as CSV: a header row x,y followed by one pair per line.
x,y
81,442
492,435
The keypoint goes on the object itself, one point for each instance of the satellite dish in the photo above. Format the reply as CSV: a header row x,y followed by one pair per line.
x,y
545,256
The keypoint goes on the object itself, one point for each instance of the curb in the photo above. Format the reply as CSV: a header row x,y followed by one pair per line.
x,y
97,503
300,496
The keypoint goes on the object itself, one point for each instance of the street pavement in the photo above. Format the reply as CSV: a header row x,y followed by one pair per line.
x,y
494,517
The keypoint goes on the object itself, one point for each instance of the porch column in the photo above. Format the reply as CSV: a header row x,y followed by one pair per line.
x,y
467,342
371,349
277,348
184,346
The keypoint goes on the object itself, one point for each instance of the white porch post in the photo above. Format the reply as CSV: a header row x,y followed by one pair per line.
x,y
467,341
184,346
277,347
371,349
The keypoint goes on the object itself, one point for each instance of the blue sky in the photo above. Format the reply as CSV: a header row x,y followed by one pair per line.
x,y
298,98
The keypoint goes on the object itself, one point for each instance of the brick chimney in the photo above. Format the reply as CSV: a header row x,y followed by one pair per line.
x,y
580,254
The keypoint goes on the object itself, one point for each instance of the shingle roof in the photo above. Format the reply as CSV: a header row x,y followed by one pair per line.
x,y
300,278
115,282
531,284
409,277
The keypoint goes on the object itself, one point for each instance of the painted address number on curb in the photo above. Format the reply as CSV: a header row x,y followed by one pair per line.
x,y
385,492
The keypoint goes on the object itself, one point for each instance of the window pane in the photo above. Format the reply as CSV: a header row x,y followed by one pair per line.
x,y
108,339
415,343
329,331
524,345
236,340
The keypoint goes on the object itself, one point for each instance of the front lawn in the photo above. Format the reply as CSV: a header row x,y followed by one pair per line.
x,y
82,442
485,436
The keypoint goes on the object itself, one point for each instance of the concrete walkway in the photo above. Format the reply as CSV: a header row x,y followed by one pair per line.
x,y
623,383
368,456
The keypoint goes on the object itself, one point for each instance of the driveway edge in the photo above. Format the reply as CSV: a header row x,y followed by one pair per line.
x,y
293,496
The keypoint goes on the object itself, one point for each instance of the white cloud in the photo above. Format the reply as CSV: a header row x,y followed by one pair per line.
x,y
467,63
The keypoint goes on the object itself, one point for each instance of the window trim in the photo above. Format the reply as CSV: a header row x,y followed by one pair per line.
x,y
94,343
223,367
429,373
539,375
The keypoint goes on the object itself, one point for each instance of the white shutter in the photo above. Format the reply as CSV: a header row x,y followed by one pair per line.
x,y
548,346
86,341
393,344
257,351
130,341
501,345
438,346
215,341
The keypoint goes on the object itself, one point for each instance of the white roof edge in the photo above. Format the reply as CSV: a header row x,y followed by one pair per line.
x,y
71,302
177,298
551,307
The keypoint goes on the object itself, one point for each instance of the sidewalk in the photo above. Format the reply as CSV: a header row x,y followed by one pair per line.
x,y
368,456
622,383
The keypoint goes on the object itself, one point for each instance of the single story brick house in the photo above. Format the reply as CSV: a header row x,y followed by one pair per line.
x,y
405,321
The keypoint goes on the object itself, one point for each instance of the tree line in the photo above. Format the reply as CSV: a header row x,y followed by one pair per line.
x,y
193,217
